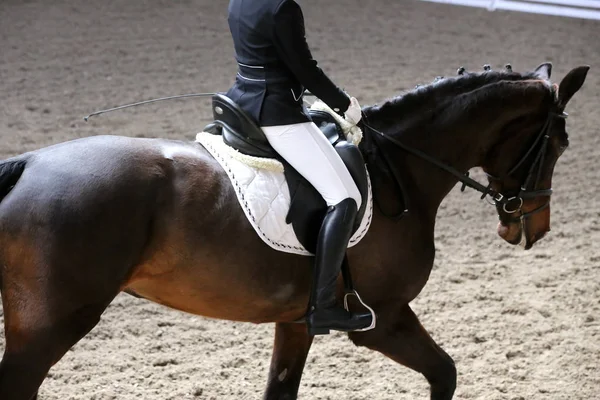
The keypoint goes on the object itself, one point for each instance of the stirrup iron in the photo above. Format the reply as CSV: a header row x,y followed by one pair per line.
x,y
353,292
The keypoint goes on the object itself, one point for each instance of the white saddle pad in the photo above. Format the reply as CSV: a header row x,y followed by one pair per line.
x,y
263,193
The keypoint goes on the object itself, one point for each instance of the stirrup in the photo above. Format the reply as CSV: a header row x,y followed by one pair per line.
x,y
353,292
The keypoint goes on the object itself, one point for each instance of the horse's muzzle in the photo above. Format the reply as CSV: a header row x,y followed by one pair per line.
x,y
531,227
511,232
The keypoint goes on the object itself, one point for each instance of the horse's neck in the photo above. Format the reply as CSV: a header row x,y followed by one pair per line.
x,y
457,148
459,141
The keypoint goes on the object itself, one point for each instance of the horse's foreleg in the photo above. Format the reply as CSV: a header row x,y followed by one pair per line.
x,y
292,344
401,337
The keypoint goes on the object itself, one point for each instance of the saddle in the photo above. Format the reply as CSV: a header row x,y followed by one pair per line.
x,y
307,207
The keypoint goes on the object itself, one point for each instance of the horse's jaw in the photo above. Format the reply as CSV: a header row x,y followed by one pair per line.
x,y
536,227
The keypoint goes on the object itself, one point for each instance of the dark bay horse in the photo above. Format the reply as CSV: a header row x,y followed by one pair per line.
x,y
87,219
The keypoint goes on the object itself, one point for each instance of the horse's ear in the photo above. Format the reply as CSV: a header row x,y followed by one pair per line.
x,y
544,70
571,83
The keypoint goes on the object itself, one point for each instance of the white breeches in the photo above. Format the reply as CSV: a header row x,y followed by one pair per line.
x,y
306,149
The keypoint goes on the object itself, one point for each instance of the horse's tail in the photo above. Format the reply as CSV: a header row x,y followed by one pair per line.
x,y
10,173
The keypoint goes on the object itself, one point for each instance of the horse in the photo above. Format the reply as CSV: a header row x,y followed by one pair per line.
x,y
84,220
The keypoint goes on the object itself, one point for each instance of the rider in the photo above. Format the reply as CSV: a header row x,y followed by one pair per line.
x,y
275,66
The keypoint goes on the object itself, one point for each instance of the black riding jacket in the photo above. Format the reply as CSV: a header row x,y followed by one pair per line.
x,y
275,64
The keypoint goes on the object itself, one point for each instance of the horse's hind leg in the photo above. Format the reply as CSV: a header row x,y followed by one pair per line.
x,y
51,297
401,337
292,344
36,340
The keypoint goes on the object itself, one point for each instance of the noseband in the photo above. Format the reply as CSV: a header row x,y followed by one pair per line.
x,y
509,203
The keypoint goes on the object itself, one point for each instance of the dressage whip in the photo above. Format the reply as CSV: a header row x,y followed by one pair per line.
x,y
181,96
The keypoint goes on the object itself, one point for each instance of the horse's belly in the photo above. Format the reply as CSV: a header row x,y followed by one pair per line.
x,y
213,296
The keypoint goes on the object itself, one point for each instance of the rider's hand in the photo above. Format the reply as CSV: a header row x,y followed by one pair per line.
x,y
353,114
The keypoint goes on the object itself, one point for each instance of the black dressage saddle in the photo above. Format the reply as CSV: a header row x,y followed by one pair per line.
x,y
307,207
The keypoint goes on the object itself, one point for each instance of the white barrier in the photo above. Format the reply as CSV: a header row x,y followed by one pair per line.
x,y
586,9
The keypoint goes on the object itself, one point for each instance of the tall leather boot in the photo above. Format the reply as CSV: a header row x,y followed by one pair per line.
x,y
334,236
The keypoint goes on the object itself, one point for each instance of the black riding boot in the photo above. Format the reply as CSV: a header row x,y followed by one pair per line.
x,y
334,236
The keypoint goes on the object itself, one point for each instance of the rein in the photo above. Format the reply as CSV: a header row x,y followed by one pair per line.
x,y
498,198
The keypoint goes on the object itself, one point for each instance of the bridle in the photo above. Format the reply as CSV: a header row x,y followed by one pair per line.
x,y
527,189
509,203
